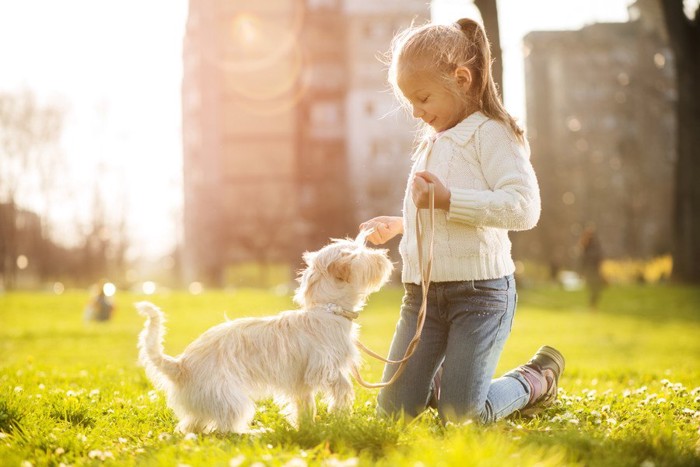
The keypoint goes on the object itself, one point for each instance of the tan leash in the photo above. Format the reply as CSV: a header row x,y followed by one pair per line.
x,y
425,283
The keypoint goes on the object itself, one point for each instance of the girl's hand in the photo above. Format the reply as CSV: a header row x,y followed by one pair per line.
x,y
419,191
384,228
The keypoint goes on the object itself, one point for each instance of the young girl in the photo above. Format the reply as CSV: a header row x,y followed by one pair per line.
x,y
478,160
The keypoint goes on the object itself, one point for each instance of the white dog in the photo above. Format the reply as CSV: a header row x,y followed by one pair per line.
x,y
213,384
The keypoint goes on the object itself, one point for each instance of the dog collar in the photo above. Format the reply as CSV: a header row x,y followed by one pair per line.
x,y
340,311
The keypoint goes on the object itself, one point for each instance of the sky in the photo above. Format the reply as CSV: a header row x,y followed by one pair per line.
x,y
116,67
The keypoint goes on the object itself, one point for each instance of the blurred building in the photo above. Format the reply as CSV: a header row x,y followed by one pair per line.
x,y
380,134
601,125
283,140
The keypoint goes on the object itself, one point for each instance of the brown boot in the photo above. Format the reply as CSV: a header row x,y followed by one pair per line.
x,y
542,373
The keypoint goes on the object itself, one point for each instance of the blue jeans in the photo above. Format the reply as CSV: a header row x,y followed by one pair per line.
x,y
466,326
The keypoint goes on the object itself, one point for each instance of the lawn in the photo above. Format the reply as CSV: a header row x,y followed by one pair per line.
x,y
71,393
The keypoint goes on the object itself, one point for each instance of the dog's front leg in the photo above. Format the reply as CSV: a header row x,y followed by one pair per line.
x,y
341,394
305,408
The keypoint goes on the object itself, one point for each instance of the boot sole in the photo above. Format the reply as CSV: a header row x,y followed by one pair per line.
x,y
555,355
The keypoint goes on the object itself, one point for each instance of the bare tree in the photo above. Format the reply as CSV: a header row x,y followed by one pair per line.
x,y
29,136
684,36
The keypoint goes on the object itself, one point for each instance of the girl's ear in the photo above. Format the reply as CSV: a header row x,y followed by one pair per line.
x,y
464,77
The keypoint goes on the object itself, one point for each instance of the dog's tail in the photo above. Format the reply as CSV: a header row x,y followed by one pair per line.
x,y
151,356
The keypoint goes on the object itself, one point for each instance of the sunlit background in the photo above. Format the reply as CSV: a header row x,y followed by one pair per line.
x,y
114,71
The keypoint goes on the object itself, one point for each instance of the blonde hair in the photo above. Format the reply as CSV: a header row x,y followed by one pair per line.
x,y
440,49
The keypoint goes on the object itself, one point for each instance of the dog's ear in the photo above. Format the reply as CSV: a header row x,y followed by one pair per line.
x,y
341,268
309,256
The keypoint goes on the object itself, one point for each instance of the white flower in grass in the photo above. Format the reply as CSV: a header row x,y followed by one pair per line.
x,y
333,462
19,389
26,464
647,463
640,390
122,440
573,421
94,393
695,390
164,436
236,461
81,437
101,455
295,462
678,387
190,437
3,435
71,393
661,400
626,393
611,421
59,451
41,386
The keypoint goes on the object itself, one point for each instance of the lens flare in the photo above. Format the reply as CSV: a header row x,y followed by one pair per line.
x,y
149,287
109,289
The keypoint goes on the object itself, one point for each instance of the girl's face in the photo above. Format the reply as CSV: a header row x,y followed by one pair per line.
x,y
431,100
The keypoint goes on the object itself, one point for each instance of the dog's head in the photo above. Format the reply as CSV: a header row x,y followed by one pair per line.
x,y
343,272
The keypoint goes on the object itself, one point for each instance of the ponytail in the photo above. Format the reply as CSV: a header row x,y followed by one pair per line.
x,y
479,62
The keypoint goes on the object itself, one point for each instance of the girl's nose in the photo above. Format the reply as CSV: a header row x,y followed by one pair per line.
x,y
417,112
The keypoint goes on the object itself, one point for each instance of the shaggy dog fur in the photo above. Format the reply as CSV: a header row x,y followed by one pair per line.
x,y
214,383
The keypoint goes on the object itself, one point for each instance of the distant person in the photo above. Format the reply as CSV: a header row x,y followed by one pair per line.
x,y
478,160
591,261
100,307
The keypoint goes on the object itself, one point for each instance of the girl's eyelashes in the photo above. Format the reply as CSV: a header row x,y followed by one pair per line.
x,y
424,99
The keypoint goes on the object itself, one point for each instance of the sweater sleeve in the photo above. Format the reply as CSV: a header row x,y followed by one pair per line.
x,y
513,199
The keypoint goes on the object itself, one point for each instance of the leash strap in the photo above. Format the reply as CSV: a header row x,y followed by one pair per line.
x,y
426,271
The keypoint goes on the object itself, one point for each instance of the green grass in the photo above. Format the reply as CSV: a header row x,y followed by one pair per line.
x,y
71,393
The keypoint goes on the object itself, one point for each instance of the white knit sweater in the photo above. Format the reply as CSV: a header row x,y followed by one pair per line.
x,y
493,190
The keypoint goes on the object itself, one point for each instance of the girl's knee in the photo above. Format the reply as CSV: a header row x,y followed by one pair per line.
x,y
481,414
395,404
